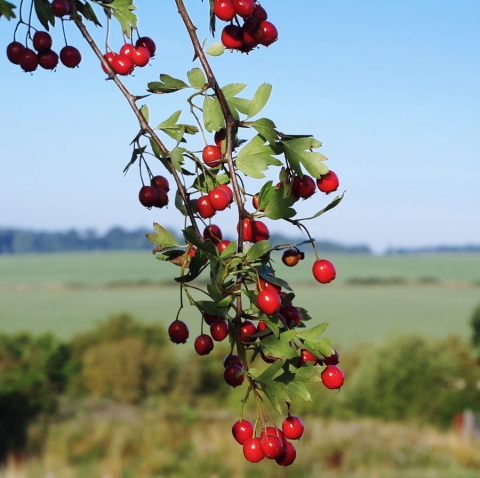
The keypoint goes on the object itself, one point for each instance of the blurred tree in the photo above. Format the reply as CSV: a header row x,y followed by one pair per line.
x,y
475,323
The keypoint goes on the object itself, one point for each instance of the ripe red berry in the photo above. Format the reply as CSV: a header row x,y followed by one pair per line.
x,y
122,65
247,328
291,315
249,34
42,41
28,60
303,187
219,330
242,430
272,446
48,59
210,319
292,256
259,14
203,344
232,359
224,10
244,8
222,245
332,377
232,37
272,431
140,56
306,356
127,49
162,198
260,231
219,199
204,208
109,56
70,56
331,359
60,8
160,182
323,271
288,456
14,52
268,301
227,189
211,155
178,332
247,230
267,33
327,183
148,196
263,284
293,427
148,43
261,326
213,232
252,450
230,375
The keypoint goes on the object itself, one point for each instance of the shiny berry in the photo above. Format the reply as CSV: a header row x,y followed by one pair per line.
x,y
109,56
227,189
268,301
122,65
288,456
332,359
259,14
252,450
203,344
232,376
244,8
140,56
327,183
128,50
148,196
303,187
272,431
210,319
222,245
60,8
293,427
42,41
272,446
160,182
224,10
291,314
247,229
48,59
306,356
232,359
213,232
28,60
332,377
219,330
323,271
261,326
211,155
178,332
292,256
260,231
219,199
162,200
147,43
242,430
14,52
204,208
70,56
267,33
232,37
247,328
265,284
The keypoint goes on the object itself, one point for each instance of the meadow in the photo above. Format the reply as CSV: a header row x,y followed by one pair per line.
x,y
372,298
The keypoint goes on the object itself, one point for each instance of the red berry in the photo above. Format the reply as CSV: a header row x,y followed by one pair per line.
x,y
48,59
160,182
60,8
255,201
247,328
148,43
219,199
327,183
14,52
203,344
261,326
252,450
292,428
148,196
204,208
42,41
224,10
211,155
291,315
303,187
332,377
232,359
28,60
70,56
222,245
259,14
267,359
242,430
232,37
323,271
219,330
162,198
109,56
268,301
247,230
140,56
331,359
210,319
306,356
288,456
249,34
227,189
128,50
244,8
178,332
263,284
213,232
122,65
260,231
272,431
267,33
272,446
230,375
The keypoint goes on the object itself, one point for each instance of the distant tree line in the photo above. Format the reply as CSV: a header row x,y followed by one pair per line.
x,y
16,241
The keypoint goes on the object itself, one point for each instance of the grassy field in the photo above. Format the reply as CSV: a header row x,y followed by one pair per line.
x,y
68,293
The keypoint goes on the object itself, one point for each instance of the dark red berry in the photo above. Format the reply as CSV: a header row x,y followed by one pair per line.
x,y
267,33
60,8
292,427
247,328
292,256
213,232
178,332
70,56
332,359
232,37
232,375
303,187
203,344
160,182
247,229
148,196
249,34
28,60
272,446
242,430
14,52
162,200
148,43
261,326
42,41
244,8
232,359
306,356
210,319
48,59
291,315
219,330
260,231
259,14
288,456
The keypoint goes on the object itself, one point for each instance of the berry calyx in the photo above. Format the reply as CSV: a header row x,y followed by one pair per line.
x,y
219,330
70,56
332,377
232,37
230,375
14,52
252,450
148,196
293,427
178,332
211,155
224,10
147,43
42,41
268,301
327,183
289,454
272,446
204,208
323,271
242,430
203,344
292,256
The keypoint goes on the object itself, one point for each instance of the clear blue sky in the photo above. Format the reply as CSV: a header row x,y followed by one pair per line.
x,y
392,89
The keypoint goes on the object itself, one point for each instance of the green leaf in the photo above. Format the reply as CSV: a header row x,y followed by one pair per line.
x,y
279,347
295,153
308,373
87,11
6,9
265,128
44,12
274,203
179,204
269,373
231,249
267,273
191,236
210,307
258,250
145,112
162,237
167,84
259,99
276,394
225,302
233,89
319,347
333,204
170,121
215,49
255,157
123,12
197,79
176,156
212,114
314,332
238,105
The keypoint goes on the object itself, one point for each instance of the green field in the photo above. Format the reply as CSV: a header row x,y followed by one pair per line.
x,y
68,293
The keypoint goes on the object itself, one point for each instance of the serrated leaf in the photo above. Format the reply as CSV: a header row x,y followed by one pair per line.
x,y
269,373
258,250
299,389
166,238
314,332
170,121
176,156
6,9
265,128
123,12
279,347
308,373
259,99
212,114
319,347
167,84
333,204
296,154
255,157
275,204
276,394
44,13
87,11
196,77
215,49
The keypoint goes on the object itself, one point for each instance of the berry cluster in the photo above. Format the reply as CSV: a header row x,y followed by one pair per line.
x,y
130,56
155,195
256,30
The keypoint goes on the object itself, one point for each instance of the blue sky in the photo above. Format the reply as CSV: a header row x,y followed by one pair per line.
x,y
390,88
